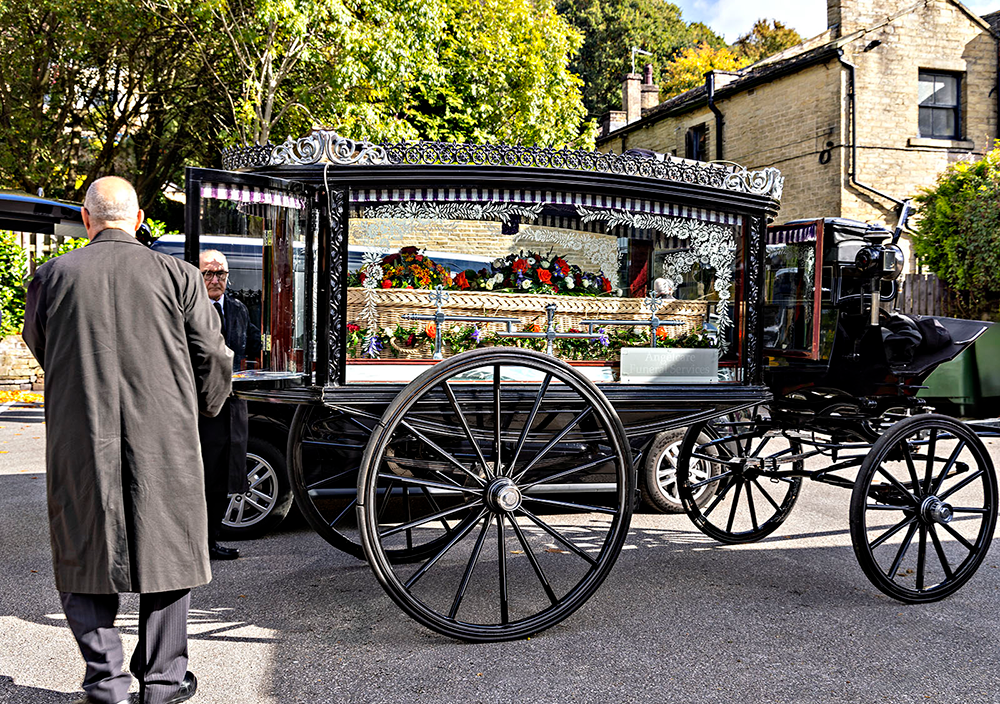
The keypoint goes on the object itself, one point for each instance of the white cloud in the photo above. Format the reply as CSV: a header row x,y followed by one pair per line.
x,y
731,18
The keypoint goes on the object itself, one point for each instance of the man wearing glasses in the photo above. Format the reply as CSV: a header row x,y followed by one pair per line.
x,y
224,437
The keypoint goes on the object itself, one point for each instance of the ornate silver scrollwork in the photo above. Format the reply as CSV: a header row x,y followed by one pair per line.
x,y
326,146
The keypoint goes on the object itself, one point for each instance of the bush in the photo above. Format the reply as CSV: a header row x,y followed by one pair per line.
x,y
13,268
13,277
958,235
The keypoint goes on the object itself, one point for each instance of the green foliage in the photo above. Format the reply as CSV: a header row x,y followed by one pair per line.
x,y
611,28
958,234
501,74
688,69
765,38
13,267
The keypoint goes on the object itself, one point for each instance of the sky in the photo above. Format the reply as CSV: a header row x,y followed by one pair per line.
x,y
731,18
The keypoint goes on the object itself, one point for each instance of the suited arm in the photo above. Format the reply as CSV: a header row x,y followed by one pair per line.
x,y
211,360
34,320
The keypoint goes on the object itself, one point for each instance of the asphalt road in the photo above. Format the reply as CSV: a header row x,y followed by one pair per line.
x,y
681,619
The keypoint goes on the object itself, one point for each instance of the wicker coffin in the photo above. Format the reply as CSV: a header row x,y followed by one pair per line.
x,y
392,304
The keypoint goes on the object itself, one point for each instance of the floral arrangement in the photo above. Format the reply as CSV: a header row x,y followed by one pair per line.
x,y
523,272
460,338
407,268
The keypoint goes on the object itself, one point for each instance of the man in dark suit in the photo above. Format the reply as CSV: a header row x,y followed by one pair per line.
x,y
224,437
132,352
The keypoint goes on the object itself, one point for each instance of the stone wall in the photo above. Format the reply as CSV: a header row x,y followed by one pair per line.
x,y
18,368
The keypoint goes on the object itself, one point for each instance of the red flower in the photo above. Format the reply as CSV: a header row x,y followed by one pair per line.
x,y
555,289
411,340
386,283
544,276
390,259
606,285
351,327
461,281
420,257
408,250
519,265
562,266
361,277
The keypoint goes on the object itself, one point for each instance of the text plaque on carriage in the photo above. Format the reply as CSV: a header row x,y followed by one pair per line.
x,y
644,365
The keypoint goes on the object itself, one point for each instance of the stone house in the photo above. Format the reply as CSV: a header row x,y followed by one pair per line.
x,y
857,119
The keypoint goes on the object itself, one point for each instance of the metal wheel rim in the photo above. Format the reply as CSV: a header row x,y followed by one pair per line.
x,y
259,500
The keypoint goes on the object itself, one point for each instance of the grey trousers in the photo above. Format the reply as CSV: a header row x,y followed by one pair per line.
x,y
160,659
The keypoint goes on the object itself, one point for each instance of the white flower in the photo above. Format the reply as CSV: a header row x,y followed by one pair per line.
x,y
570,284
498,263
619,292
526,283
545,264
498,278
587,283
387,331
489,284
531,261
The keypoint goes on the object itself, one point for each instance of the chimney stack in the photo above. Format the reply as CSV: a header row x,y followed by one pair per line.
x,y
650,91
632,97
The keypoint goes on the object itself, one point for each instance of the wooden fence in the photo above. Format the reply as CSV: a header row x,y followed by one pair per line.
x,y
37,246
924,294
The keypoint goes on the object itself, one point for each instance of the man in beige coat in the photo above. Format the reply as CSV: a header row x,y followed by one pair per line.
x,y
132,352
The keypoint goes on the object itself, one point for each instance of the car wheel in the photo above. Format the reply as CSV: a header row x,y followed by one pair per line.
x,y
266,504
659,475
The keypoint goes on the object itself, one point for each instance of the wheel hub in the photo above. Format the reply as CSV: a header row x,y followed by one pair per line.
x,y
935,510
502,495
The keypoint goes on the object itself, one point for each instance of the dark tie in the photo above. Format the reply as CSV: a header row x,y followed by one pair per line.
x,y
222,318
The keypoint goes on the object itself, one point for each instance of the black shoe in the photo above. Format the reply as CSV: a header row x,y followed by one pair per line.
x,y
189,685
220,552
85,699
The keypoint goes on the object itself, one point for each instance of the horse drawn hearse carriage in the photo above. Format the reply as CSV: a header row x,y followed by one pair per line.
x,y
476,435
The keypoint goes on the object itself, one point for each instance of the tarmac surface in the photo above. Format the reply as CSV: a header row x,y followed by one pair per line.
x,y
681,619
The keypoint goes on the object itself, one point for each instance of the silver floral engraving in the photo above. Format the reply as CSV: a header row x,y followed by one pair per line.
x,y
434,210
601,250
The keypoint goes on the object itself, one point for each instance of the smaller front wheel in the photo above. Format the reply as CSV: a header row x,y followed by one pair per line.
x,y
923,509
750,473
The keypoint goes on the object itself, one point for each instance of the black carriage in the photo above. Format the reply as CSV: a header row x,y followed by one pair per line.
x,y
491,490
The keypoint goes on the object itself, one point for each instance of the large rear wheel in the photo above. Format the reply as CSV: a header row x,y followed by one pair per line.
x,y
527,490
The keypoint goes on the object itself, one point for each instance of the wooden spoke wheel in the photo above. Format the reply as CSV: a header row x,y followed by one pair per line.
x,y
923,509
745,466
527,492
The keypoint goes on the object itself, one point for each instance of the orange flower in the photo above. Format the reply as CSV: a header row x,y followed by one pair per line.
x,y
661,333
431,330
544,276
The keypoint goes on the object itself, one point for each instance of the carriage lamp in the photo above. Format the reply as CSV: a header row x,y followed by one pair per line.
x,y
892,262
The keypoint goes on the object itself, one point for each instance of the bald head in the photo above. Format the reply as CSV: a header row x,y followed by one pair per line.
x,y
111,202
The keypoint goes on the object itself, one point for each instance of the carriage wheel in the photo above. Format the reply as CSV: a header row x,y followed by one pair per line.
x,y
924,508
528,491
743,464
326,446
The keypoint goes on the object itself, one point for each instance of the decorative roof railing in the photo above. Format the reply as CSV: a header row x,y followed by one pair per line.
x,y
328,147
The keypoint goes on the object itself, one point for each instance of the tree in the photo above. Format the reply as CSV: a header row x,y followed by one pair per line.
x,y
611,28
502,74
94,88
765,38
688,69
958,233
